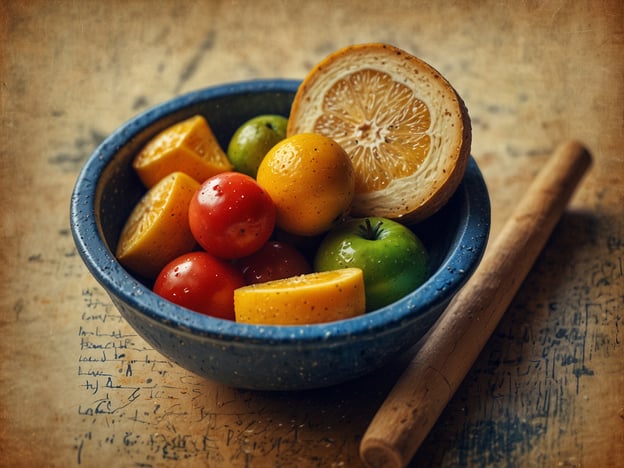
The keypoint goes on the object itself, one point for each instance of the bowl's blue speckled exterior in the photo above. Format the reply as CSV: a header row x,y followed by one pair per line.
x,y
249,356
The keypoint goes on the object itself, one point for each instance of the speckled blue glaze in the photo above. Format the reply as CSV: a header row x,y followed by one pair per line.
x,y
250,356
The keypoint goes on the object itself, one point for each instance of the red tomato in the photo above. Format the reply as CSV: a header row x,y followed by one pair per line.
x,y
231,216
275,260
200,282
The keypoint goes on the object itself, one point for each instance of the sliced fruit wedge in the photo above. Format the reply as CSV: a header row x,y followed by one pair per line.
x,y
305,299
188,146
405,128
157,230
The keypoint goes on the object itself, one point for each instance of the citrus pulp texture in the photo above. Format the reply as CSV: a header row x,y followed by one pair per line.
x,y
157,230
403,125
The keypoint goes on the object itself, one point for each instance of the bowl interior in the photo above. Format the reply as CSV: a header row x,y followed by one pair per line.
x,y
119,188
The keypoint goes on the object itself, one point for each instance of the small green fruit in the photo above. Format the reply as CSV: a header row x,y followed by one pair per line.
x,y
253,139
392,257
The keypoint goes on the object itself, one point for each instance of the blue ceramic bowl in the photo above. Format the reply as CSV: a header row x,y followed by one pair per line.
x,y
251,356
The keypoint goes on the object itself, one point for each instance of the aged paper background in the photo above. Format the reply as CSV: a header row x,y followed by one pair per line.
x,y
78,387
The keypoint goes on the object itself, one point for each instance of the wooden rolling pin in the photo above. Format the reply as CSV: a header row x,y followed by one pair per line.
x,y
453,344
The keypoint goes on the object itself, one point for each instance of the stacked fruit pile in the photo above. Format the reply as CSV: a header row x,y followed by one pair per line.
x,y
304,219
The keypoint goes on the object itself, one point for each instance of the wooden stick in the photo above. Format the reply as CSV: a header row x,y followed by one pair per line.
x,y
453,344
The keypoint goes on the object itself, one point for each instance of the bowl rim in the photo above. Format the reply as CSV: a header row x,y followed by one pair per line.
x,y
102,264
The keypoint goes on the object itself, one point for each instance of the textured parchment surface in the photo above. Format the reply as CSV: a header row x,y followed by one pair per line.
x,y
78,387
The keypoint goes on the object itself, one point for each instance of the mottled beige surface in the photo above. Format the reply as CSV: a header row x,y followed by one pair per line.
x,y
78,387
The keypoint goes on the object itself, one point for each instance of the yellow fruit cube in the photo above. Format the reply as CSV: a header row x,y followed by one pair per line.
x,y
188,146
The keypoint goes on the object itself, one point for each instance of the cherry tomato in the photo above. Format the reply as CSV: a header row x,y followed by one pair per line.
x,y
231,216
275,260
200,282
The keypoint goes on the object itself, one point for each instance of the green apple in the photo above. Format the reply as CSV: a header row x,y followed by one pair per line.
x,y
392,257
253,139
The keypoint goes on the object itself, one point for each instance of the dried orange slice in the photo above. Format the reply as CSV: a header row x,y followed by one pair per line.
x,y
188,146
305,299
405,128
157,230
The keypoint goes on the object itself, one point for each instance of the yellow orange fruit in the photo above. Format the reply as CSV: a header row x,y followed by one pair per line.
x,y
311,181
188,146
157,230
305,299
404,126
